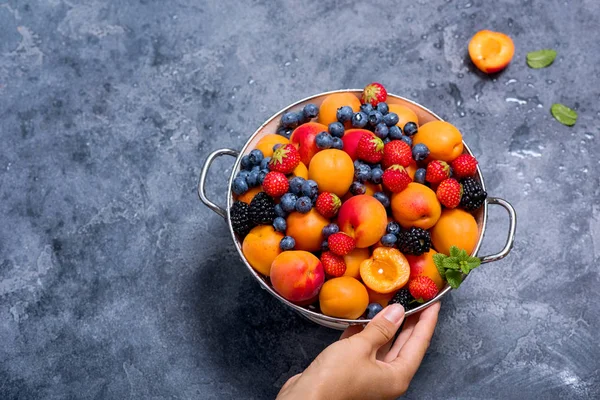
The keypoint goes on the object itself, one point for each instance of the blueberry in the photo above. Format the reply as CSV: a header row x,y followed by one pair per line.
x,y
362,173
243,174
376,175
382,198
420,152
383,108
407,140
323,140
344,114
386,140
366,108
246,163
358,188
395,132
410,128
256,156
252,178
296,185
279,224
288,202
393,227
357,164
279,211
389,240
310,111
240,186
264,164
375,117
291,119
324,246
420,175
336,129
304,204
276,146
310,188
381,130
285,132
373,308
287,243
360,119
330,229
337,143
261,175
390,119
378,165
255,168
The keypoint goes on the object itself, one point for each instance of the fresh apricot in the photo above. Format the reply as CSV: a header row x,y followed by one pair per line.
x,y
261,246
417,205
372,188
381,298
442,139
423,265
386,271
491,51
297,275
411,169
266,143
363,218
343,297
304,138
353,261
300,171
455,227
405,114
333,170
306,229
249,195
330,105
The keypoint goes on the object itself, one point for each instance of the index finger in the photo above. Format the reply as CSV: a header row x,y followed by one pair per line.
x,y
414,349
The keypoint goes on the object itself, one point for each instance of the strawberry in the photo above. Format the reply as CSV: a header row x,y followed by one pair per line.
x,y
333,264
464,166
285,159
449,192
373,93
340,243
396,152
328,204
422,288
437,171
275,184
370,148
395,178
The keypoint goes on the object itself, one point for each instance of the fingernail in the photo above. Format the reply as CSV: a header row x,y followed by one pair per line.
x,y
394,313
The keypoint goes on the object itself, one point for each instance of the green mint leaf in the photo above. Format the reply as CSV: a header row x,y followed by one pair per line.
x,y
563,114
541,58
438,260
464,267
454,251
462,255
452,263
473,263
454,279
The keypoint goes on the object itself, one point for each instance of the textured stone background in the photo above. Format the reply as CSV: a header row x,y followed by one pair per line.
x,y
115,282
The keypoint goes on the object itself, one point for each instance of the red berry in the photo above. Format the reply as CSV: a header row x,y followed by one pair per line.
x,y
373,93
449,193
422,288
396,179
437,171
464,166
285,159
370,148
328,204
396,152
333,264
340,243
275,184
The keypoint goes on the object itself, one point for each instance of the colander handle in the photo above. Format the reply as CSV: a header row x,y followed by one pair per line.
x,y
202,182
512,215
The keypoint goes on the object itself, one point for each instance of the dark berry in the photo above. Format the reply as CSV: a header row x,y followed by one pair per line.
x,y
330,229
243,174
261,175
362,173
366,108
407,140
390,119
240,220
382,198
374,308
252,178
386,140
383,108
381,130
240,186
310,188
360,119
324,246
323,140
402,297
415,241
376,175
246,163
256,156
264,164
473,194
291,119
420,175
279,224
389,240
276,146
279,211
304,204
336,129
287,243
375,117
395,132
284,131
420,152
344,114
262,209
358,188
410,129
337,143
296,185
288,202
310,111
393,227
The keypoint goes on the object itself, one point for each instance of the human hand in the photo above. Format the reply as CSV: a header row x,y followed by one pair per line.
x,y
366,364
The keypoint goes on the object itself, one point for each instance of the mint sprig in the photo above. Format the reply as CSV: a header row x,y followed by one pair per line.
x,y
455,267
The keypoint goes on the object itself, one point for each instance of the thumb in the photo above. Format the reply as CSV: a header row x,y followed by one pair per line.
x,y
384,326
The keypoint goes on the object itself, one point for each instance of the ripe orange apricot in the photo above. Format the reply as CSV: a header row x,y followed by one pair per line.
x,y
329,107
266,143
300,171
353,261
261,246
306,229
343,297
442,139
405,114
411,169
381,298
417,206
386,271
491,51
372,188
455,227
423,265
249,195
333,170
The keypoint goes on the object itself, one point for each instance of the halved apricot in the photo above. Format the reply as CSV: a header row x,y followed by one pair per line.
x,y
386,271
491,51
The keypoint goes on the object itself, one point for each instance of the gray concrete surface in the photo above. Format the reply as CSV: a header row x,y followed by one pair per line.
x,y
116,283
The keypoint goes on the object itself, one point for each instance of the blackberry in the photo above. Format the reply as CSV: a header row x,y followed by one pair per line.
x,y
415,241
240,219
473,194
403,297
262,209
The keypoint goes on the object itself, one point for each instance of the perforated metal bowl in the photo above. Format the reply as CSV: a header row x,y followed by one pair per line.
x,y
270,126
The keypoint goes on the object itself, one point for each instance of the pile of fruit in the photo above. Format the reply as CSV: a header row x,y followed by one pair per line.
x,y
347,205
